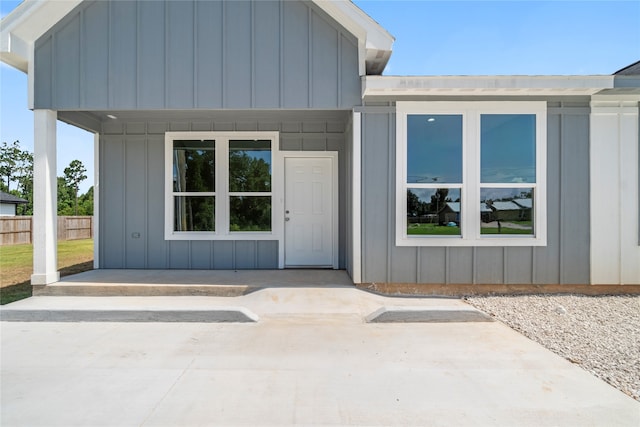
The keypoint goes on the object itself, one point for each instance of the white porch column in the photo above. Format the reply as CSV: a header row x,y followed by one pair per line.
x,y
45,199
356,195
615,234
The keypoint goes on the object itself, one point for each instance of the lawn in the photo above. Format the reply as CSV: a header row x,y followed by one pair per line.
x,y
16,266
506,230
432,229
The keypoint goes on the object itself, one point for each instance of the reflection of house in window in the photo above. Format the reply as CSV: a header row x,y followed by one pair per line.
x,y
526,206
509,211
508,216
450,213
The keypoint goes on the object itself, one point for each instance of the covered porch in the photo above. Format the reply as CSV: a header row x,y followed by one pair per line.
x,y
128,282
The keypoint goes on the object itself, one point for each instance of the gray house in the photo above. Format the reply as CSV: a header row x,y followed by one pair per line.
x,y
262,135
9,203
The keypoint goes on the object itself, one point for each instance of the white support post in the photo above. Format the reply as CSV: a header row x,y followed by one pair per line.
x,y
615,251
356,209
96,201
45,199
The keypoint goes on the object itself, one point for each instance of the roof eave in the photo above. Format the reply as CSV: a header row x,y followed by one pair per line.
x,y
376,42
398,86
20,29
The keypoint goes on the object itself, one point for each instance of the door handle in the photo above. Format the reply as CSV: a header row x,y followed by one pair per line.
x,y
286,218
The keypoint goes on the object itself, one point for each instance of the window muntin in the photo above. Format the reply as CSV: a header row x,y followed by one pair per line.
x,y
193,178
249,185
219,185
503,158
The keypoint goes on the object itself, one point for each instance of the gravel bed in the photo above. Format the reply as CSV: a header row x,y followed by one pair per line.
x,y
601,334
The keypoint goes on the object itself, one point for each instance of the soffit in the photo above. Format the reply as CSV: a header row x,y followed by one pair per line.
x,y
484,85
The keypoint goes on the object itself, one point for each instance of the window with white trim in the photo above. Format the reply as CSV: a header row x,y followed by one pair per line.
x,y
219,185
471,173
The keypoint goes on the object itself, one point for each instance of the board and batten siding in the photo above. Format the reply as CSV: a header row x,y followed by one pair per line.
x,y
132,188
124,55
565,259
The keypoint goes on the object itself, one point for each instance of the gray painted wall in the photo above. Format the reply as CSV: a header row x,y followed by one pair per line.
x,y
565,259
196,54
132,186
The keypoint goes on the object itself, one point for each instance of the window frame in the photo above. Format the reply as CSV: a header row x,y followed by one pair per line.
x,y
222,194
470,228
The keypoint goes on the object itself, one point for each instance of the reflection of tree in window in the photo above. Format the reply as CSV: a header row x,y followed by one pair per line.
x,y
250,213
194,213
248,173
194,172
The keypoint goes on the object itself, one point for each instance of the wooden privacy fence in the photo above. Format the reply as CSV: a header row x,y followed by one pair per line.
x,y
15,230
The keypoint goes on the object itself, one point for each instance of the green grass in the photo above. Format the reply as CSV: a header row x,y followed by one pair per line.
x,y
432,229
16,266
505,231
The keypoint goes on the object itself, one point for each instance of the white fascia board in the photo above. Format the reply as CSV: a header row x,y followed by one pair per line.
x,y
485,85
358,23
375,43
20,29
14,51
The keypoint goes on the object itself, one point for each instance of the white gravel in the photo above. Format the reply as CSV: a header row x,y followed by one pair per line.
x,y
601,334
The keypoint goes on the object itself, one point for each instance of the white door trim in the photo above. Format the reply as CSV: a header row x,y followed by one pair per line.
x,y
333,155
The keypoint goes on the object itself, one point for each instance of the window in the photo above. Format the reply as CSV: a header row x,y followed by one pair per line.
x,y
219,185
471,173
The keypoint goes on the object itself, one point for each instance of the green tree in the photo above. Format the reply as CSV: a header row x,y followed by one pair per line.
x,y
85,203
249,173
65,198
439,199
9,159
74,174
16,166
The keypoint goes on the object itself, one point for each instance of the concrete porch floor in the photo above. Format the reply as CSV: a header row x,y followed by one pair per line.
x,y
106,282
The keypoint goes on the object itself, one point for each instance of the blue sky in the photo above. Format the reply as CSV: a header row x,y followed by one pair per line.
x,y
432,38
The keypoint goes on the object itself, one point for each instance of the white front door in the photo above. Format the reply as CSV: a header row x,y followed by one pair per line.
x,y
310,212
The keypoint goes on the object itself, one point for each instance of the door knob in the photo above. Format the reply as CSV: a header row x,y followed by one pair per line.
x,y
286,218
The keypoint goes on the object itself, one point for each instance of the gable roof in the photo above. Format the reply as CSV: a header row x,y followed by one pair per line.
x,y
11,199
525,203
32,18
506,206
629,70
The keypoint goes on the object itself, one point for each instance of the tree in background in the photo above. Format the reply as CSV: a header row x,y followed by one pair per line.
x,y
9,163
74,174
16,170
16,166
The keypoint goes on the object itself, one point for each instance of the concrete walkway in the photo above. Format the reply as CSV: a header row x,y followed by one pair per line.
x,y
310,358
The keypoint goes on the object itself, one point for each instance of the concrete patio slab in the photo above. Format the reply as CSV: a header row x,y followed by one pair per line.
x,y
228,283
311,359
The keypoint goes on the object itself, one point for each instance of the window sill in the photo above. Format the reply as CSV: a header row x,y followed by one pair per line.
x,y
237,235
455,241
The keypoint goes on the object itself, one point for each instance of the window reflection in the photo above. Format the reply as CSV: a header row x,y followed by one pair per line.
x,y
194,166
194,213
433,211
250,213
434,148
506,211
250,166
508,148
